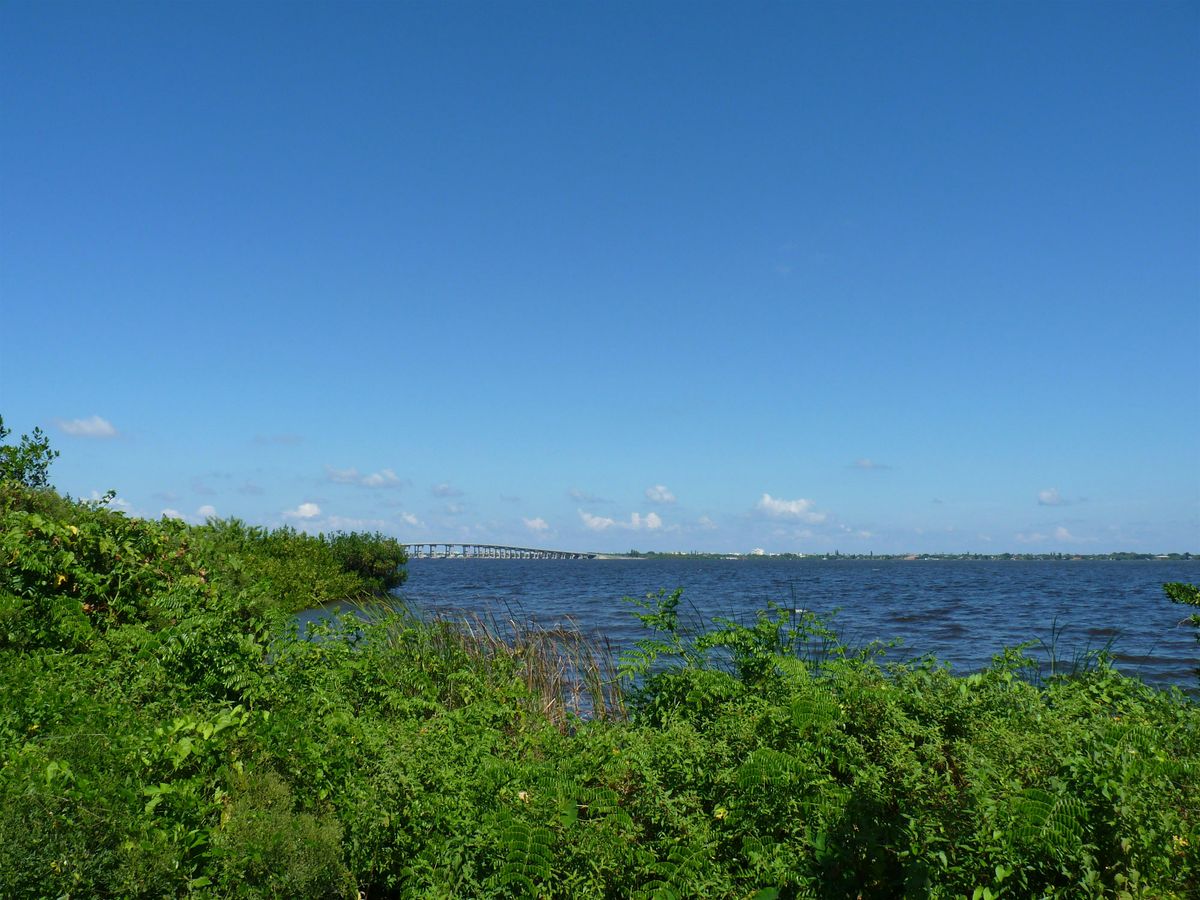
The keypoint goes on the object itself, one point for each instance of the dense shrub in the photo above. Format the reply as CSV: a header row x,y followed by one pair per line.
x,y
264,846
70,571
288,570
376,559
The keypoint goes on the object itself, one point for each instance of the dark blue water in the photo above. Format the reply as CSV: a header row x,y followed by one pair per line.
x,y
962,612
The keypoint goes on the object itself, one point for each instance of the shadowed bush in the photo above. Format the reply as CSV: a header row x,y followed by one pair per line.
x,y
376,559
265,848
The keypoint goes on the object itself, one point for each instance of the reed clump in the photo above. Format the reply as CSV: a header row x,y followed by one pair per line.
x,y
567,673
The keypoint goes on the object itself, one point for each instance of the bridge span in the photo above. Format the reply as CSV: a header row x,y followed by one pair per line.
x,y
453,550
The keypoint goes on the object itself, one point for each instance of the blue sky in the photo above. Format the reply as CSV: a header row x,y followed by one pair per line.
x,y
805,277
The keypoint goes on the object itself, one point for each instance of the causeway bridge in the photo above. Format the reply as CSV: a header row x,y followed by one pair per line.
x,y
441,550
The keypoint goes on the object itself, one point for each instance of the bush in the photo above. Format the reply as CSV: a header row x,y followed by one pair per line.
x,y
27,463
376,559
265,848
69,571
287,570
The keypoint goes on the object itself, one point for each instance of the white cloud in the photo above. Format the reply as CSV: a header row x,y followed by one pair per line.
x,y
206,511
92,427
303,511
789,509
1061,534
706,523
445,489
342,476
1050,497
171,513
659,494
637,522
596,523
384,478
651,522
537,525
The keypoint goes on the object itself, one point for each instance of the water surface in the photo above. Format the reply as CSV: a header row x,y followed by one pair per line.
x,y
961,611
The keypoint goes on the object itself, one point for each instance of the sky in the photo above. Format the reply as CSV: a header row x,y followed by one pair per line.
x,y
804,277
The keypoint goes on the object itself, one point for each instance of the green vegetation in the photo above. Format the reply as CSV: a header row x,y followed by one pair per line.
x,y
28,462
1189,595
164,731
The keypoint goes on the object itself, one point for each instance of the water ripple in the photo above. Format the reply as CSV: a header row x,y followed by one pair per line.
x,y
963,612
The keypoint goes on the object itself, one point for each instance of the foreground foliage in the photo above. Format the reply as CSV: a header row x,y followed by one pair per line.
x,y
165,731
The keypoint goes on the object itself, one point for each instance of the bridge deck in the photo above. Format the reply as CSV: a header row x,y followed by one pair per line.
x,y
456,550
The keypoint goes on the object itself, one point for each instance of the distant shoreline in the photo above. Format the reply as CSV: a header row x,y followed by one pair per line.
x,y
876,557
917,557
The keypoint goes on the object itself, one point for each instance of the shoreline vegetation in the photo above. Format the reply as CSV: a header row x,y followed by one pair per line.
x,y
166,731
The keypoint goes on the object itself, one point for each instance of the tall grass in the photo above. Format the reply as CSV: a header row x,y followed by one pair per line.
x,y
568,673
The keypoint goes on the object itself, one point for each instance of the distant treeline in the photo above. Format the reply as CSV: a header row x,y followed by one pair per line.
x,y
651,554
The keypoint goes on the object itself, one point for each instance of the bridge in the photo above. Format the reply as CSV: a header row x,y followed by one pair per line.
x,y
440,550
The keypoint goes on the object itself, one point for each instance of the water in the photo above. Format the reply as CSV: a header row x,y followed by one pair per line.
x,y
961,611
